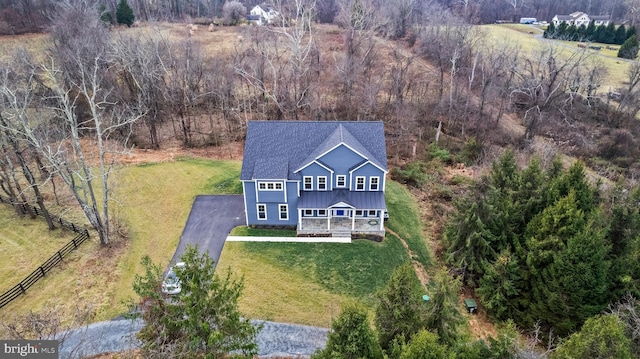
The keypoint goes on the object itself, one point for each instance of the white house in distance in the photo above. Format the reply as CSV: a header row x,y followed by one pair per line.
x,y
579,18
263,14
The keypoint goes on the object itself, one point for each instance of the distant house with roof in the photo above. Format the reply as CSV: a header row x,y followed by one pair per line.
x,y
262,14
323,177
579,18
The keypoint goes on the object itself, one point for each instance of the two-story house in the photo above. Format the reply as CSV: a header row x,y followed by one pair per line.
x,y
579,18
323,177
263,14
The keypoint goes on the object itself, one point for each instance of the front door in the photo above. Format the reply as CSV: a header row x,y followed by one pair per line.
x,y
340,213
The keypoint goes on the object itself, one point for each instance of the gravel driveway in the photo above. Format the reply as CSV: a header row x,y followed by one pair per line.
x,y
275,339
210,221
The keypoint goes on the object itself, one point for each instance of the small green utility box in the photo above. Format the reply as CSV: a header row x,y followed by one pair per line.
x,y
472,306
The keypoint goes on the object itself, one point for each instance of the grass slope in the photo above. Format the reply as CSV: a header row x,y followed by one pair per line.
x,y
307,283
25,244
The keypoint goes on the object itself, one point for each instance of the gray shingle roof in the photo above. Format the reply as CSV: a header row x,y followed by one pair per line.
x,y
326,199
299,142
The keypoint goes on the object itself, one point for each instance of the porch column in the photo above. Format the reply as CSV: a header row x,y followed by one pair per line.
x,y
328,219
353,219
381,220
299,219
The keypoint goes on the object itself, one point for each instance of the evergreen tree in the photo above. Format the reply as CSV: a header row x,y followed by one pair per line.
x,y
624,239
400,312
498,289
621,35
202,321
425,345
443,313
600,337
600,34
629,50
105,15
610,34
351,337
124,13
581,34
590,32
567,265
631,31
550,31
572,33
561,30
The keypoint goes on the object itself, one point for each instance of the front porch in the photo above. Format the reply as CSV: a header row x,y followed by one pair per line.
x,y
341,226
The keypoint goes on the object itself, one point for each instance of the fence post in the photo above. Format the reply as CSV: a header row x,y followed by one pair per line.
x,y
59,255
21,288
41,270
74,242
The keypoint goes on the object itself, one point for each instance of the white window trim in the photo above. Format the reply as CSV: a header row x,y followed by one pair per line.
x,y
273,184
307,214
371,183
322,214
325,183
304,183
286,211
372,212
344,181
360,213
364,182
258,211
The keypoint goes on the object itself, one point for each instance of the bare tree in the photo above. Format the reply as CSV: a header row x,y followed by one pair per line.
x,y
233,12
542,81
17,89
291,60
142,63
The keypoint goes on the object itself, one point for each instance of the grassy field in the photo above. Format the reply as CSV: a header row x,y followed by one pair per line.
x,y
25,244
518,35
307,283
155,200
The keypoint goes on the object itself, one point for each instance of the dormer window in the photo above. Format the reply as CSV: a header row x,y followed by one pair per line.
x,y
322,183
341,181
360,183
308,183
374,184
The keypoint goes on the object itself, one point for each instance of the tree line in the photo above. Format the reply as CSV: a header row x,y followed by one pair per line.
x,y
609,34
24,16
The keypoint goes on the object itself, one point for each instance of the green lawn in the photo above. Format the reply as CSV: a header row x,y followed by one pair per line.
x,y
25,244
307,283
290,282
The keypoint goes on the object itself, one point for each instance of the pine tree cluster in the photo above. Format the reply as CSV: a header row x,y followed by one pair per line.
x,y
609,34
544,245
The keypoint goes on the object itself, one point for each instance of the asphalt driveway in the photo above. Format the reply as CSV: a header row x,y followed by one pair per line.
x,y
210,221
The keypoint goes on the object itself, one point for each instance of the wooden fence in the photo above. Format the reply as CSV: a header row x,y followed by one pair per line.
x,y
49,264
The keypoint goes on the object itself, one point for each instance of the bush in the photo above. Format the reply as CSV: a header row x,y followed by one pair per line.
x,y
629,50
413,174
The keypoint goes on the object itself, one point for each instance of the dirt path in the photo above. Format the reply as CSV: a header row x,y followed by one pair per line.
x,y
421,272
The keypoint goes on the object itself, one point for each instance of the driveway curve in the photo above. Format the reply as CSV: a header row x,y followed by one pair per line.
x,y
274,340
210,221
